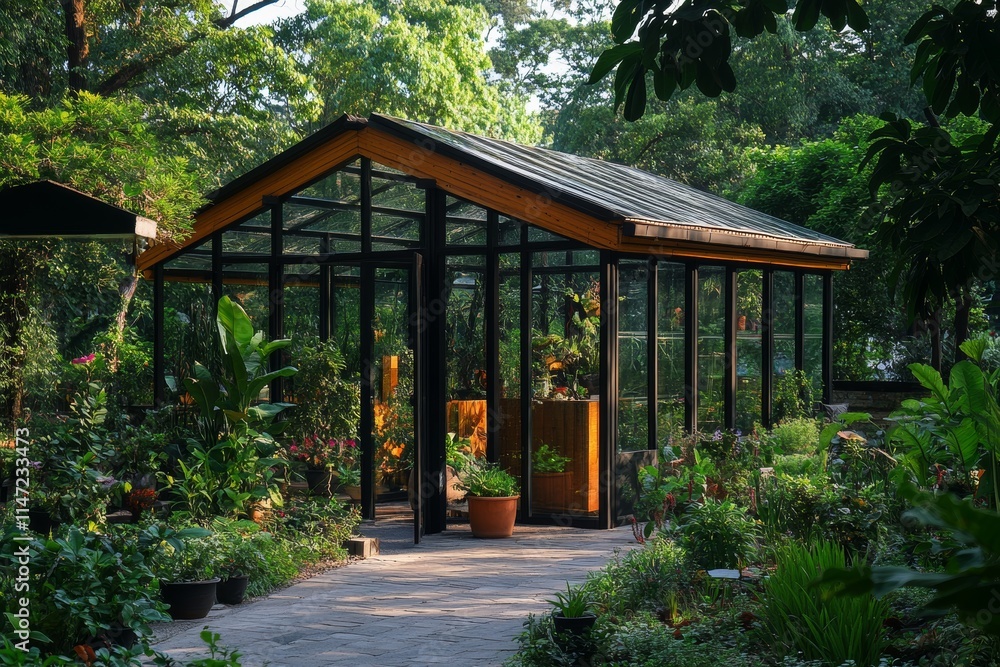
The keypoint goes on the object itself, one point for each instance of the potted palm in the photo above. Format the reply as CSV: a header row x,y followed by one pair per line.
x,y
571,612
552,484
492,494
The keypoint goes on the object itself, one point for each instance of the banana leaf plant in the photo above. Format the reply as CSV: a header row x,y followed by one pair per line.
x,y
232,462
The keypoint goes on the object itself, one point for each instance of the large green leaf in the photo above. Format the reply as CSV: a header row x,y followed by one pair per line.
x,y
930,379
969,377
232,319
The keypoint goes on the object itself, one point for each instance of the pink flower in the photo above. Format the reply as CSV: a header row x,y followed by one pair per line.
x,y
86,359
332,443
293,449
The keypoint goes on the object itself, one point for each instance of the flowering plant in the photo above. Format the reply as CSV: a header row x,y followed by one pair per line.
x,y
320,453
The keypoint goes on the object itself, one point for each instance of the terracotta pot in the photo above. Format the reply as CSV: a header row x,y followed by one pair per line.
x,y
319,481
189,599
741,323
232,590
354,492
492,517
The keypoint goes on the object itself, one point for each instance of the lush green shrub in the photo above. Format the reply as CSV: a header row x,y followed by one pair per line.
x,y
798,465
718,535
797,619
792,396
653,577
648,643
788,506
82,585
317,527
796,436
489,480
326,403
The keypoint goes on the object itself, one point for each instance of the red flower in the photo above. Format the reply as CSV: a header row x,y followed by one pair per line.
x,y
86,359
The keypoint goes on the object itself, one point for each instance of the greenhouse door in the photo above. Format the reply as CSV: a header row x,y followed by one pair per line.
x,y
391,415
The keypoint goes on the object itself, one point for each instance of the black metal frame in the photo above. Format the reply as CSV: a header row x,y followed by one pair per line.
x,y
428,261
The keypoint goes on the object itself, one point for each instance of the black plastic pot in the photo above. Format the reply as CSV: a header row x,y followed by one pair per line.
x,y
189,599
575,625
41,522
319,481
232,590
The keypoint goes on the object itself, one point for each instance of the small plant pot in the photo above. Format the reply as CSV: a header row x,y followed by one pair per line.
x,y
492,518
189,599
319,481
574,625
232,590
354,492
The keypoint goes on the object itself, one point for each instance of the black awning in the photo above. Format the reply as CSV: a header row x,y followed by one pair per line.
x,y
46,209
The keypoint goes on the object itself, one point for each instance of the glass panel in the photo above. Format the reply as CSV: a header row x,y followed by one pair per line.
x,y
465,359
198,258
302,302
250,237
398,211
587,258
345,321
812,310
537,234
510,231
392,379
343,186
633,357
566,310
189,336
466,223
783,324
711,347
671,348
749,311
508,428
246,284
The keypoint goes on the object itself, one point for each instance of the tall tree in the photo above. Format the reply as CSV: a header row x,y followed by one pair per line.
x,y
940,200
353,55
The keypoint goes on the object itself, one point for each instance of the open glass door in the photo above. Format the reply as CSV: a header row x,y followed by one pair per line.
x,y
392,335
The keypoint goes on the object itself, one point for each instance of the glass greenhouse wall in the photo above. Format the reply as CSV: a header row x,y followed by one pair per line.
x,y
457,327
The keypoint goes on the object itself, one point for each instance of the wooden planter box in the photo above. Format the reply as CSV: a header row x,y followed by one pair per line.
x,y
552,491
571,428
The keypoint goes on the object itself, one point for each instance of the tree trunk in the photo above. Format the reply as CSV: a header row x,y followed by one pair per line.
x,y
963,306
118,334
77,48
935,329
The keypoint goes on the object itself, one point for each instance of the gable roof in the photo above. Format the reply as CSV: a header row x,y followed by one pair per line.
x,y
604,204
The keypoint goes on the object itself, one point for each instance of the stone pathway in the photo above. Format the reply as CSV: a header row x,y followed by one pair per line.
x,y
453,599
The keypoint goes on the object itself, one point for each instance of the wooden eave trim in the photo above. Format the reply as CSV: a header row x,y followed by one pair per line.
x,y
463,180
314,164
710,253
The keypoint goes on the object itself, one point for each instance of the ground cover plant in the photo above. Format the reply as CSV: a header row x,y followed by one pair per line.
x,y
880,552
191,500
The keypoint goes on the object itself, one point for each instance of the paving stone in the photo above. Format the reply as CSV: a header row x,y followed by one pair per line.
x,y
452,599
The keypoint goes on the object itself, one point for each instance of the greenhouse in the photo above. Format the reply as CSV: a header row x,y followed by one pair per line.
x,y
562,316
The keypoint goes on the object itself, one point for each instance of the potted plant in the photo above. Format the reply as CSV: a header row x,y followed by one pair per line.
x,y
187,567
492,494
350,479
240,557
552,484
317,454
571,610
